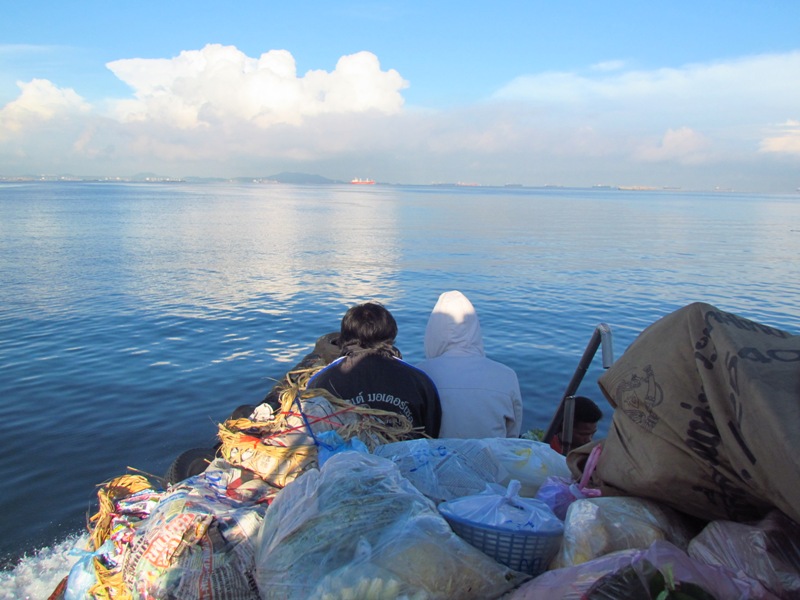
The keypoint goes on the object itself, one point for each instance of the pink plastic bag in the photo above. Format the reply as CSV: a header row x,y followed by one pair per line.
x,y
641,575
558,492
768,550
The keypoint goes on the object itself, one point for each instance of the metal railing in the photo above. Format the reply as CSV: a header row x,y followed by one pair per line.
x,y
563,418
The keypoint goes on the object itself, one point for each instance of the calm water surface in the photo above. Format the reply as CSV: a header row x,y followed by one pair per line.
x,y
135,317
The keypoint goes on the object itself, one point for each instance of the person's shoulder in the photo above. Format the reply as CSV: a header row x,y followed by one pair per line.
x,y
326,371
416,369
497,365
424,364
402,363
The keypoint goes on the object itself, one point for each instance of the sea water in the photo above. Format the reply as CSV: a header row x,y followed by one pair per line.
x,y
135,317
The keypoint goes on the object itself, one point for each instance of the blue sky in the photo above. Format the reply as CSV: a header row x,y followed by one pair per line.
x,y
699,95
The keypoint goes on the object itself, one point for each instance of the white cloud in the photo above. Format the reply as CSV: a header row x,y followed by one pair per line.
x,y
218,112
609,65
38,102
682,145
219,85
756,89
17,49
786,141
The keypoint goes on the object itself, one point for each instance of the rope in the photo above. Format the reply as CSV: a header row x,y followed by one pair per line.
x,y
377,426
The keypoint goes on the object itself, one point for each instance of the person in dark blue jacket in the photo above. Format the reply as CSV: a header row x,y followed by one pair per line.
x,y
371,372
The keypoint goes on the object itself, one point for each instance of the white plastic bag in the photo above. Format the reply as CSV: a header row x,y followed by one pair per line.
x,y
504,509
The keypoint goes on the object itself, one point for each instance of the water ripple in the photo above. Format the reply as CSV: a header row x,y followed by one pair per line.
x,y
133,318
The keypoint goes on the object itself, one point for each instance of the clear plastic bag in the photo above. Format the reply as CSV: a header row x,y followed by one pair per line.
x,y
444,469
363,580
330,443
595,527
529,462
312,530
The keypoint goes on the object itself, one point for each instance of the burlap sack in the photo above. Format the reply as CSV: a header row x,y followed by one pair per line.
x,y
707,416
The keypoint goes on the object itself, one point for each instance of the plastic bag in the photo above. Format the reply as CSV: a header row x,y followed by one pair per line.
x,y
504,509
598,526
313,528
363,580
444,469
330,442
642,575
83,575
558,492
768,551
529,462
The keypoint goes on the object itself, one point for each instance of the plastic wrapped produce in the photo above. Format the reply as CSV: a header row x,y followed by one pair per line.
x,y
444,469
529,462
315,532
768,551
598,526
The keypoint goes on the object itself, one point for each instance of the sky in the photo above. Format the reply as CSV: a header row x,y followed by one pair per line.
x,y
698,95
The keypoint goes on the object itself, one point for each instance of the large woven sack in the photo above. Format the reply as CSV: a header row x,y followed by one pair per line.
x,y
707,416
280,450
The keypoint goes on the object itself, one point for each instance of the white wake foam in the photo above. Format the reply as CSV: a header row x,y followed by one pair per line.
x,y
35,577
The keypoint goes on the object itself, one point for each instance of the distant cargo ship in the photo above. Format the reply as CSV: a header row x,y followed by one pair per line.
x,y
362,181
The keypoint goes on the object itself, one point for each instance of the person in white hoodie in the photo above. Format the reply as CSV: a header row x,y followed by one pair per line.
x,y
480,397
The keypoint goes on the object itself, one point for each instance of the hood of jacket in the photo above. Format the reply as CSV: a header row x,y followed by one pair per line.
x,y
453,328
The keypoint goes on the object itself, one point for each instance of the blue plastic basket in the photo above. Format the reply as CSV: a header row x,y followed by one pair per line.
x,y
525,551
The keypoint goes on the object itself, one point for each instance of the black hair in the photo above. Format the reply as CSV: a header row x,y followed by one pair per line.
x,y
369,324
586,411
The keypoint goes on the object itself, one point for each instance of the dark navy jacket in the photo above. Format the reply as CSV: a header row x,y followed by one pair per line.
x,y
384,383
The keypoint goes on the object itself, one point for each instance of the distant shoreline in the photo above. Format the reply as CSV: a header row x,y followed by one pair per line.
x,y
310,179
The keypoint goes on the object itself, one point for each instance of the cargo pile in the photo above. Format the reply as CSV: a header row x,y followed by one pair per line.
x,y
693,494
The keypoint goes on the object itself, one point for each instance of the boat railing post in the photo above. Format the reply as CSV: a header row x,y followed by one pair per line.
x,y
566,430
600,336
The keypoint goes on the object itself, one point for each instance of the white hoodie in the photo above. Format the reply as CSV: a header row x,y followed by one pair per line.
x,y
480,397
